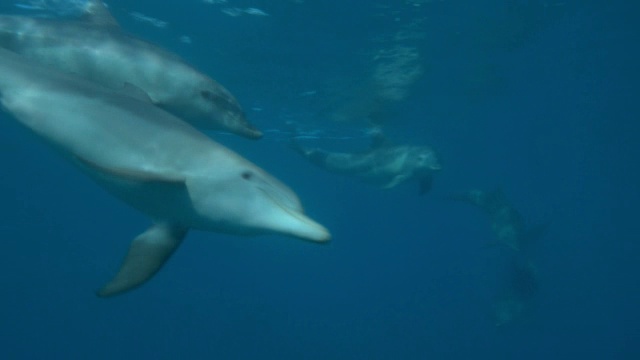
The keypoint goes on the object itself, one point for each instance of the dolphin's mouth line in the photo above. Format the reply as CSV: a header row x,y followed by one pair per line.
x,y
298,215
314,232
289,211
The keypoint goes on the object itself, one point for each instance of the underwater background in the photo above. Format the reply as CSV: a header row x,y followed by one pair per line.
x,y
536,98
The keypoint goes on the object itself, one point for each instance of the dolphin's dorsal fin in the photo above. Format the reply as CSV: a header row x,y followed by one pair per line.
x,y
96,13
147,253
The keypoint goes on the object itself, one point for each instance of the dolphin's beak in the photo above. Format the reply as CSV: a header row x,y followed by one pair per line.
x,y
286,214
252,132
294,222
303,227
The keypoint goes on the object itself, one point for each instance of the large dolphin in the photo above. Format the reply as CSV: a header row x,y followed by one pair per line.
x,y
382,165
153,161
96,48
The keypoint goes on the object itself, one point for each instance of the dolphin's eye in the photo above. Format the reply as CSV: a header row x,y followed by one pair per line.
x,y
247,175
207,94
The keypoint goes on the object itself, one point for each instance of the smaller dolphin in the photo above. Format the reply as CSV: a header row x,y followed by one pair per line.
x,y
383,165
151,160
96,48
506,222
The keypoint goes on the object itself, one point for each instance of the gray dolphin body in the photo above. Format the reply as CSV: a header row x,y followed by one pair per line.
x,y
151,160
384,166
97,49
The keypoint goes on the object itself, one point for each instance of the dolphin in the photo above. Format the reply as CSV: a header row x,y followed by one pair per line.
x,y
518,295
506,221
383,165
153,161
96,48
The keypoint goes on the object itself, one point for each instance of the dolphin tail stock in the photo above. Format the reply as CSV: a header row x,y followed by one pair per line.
x,y
378,138
147,254
314,155
296,146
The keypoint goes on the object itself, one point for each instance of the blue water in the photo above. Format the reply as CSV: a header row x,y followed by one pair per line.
x,y
539,98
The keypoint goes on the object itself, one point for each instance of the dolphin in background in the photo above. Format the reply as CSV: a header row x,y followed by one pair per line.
x,y
520,285
518,294
383,165
153,161
96,48
506,221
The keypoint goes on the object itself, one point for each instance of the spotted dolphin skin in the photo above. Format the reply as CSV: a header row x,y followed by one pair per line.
x,y
383,165
96,48
152,161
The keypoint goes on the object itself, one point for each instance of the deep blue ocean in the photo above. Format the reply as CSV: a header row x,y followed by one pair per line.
x,y
538,98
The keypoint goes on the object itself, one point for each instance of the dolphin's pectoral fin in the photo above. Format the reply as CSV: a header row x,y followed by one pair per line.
x,y
395,181
96,13
425,185
148,252
129,174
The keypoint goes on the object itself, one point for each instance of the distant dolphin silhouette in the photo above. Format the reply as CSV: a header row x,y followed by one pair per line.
x,y
151,160
383,165
97,49
518,295
506,222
